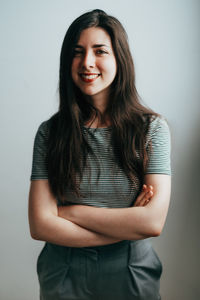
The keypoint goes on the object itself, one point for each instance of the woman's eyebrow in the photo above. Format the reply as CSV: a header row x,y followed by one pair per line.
x,y
99,46
94,46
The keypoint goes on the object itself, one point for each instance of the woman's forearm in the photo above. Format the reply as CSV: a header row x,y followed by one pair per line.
x,y
130,223
62,232
121,223
46,225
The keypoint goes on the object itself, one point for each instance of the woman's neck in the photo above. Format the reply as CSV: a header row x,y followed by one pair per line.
x,y
100,100
98,121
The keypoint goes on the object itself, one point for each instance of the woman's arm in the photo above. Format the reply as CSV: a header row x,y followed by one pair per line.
x,y
130,223
46,225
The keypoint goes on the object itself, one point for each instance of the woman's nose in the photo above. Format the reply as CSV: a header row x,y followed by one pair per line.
x,y
88,60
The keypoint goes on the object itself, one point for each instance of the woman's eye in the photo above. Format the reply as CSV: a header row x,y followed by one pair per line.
x,y
81,52
78,52
101,52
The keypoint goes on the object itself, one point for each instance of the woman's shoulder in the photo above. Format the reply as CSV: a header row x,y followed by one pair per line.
x,y
45,126
158,126
158,121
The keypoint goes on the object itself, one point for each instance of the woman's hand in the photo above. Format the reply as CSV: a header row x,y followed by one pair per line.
x,y
144,196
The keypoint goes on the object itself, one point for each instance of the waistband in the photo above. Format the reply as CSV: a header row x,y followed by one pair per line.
x,y
145,243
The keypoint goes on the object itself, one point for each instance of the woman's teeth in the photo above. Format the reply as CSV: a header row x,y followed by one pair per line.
x,y
89,76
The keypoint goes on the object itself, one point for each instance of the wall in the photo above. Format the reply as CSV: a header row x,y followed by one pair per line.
x,y
164,39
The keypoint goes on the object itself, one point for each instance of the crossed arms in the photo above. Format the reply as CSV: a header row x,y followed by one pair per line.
x,y
83,226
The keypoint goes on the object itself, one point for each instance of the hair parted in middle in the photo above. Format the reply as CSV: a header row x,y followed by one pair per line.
x,y
67,145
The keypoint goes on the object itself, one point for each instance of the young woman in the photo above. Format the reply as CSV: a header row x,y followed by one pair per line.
x,y
100,183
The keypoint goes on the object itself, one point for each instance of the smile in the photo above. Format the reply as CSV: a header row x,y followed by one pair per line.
x,y
89,77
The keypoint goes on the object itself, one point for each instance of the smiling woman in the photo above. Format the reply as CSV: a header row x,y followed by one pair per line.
x,y
100,182
94,65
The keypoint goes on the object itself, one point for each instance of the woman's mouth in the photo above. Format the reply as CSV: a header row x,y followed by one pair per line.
x,y
89,77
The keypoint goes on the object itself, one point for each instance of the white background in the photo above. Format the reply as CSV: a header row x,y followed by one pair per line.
x,y
165,41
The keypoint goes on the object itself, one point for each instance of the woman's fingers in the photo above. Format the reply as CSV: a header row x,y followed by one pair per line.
x,y
146,198
142,194
145,195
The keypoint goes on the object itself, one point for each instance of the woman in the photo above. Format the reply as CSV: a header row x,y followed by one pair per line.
x,y
100,183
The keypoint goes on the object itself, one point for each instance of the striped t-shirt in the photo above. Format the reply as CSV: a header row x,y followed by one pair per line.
x,y
113,188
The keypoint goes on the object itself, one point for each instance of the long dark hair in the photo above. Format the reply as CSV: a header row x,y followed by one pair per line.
x,y
68,147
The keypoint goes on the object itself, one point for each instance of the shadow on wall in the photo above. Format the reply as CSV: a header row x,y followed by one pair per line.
x,y
186,218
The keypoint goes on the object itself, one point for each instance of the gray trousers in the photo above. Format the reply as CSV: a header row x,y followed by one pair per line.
x,y
128,270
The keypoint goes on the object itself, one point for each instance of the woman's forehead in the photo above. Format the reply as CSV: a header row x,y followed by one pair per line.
x,y
94,36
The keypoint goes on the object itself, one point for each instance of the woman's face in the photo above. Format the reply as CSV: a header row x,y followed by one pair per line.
x,y
94,65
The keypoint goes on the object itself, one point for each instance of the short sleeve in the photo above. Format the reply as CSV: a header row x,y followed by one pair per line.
x,y
39,163
159,152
